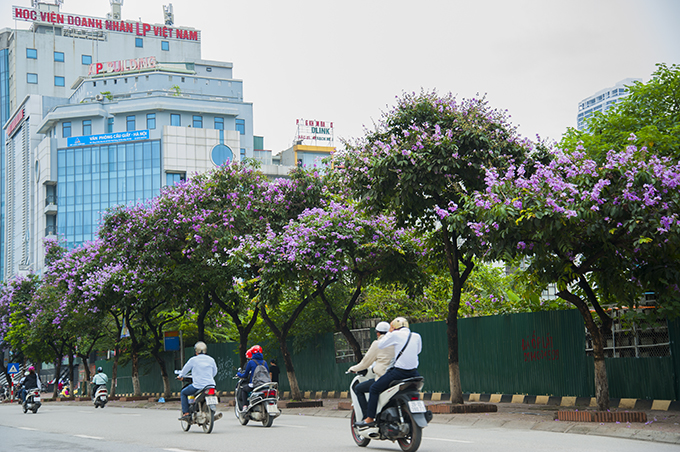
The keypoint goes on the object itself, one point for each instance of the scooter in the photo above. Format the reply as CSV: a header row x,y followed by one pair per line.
x,y
401,415
32,401
101,396
202,407
262,402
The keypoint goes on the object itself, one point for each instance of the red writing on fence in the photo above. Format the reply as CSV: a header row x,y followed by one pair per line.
x,y
537,348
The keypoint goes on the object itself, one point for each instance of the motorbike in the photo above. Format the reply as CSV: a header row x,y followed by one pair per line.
x,y
101,396
32,401
262,402
202,407
401,415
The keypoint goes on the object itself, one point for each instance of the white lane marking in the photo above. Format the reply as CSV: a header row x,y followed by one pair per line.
x,y
28,428
449,440
178,450
89,437
291,425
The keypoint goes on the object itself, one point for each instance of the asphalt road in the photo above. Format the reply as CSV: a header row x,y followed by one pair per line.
x,y
119,429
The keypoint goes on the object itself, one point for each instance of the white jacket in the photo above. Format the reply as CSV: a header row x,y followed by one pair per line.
x,y
381,357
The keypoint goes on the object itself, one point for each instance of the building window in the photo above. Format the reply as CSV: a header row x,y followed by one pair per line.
x,y
198,122
109,125
151,121
65,129
241,126
32,53
87,127
175,120
174,178
59,56
130,123
31,78
219,123
165,45
139,42
243,154
59,81
86,59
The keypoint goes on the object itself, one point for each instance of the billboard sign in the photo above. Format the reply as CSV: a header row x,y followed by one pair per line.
x,y
78,21
314,133
104,138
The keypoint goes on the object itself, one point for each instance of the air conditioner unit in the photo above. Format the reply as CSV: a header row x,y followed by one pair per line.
x,y
98,97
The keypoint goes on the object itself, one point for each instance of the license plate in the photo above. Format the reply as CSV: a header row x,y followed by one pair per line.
x,y
36,398
211,400
271,408
416,406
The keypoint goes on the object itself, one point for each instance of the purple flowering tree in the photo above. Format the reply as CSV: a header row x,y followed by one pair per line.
x,y
604,232
424,157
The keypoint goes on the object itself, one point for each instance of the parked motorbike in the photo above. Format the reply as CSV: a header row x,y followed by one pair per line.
x,y
401,415
101,396
32,401
202,407
262,402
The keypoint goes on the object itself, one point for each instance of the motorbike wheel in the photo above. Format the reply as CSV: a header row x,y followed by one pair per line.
x,y
267,421
25,408
356,436
412,442
186,425
35,410
242,419
209,418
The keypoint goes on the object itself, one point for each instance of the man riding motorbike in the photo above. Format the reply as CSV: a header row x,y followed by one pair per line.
x,y
30,381
99,379
203,370
255,360
380,359
407,346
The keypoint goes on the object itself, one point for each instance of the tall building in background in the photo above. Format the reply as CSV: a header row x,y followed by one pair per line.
x,y
97,112
602,100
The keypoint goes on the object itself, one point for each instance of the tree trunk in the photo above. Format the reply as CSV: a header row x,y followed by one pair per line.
x,y
452,340
341,324
601,381
164,373
57,376
114,371
295,392
136,388
88,379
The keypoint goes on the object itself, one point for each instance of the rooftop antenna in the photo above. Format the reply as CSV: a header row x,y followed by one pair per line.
x,y
168,15
115,9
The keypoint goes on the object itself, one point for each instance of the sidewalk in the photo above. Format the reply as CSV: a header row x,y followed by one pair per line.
x,y
661,426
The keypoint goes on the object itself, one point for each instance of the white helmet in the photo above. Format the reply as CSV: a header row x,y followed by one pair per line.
x,y
399,322
200,347
382,327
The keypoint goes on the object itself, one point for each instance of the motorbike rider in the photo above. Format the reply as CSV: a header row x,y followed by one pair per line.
x,y
379,358
30,381
407,345
99,379
255,361
203,370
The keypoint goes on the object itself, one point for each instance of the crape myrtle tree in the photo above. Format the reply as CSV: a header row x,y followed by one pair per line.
x,y
286,200
339,245
651,111
606,233
423,157
16,296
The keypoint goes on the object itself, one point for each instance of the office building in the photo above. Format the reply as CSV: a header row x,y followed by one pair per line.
x,y
102,111
602,100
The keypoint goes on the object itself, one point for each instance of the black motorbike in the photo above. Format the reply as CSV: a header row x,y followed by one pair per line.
x,y
202,407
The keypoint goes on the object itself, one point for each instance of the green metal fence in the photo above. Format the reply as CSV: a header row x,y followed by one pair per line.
x,y
539,353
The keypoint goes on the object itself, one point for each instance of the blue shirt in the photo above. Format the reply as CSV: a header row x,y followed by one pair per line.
x,y
203,370
252,364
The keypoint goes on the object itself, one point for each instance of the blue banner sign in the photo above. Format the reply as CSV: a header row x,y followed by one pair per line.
x,y
105,138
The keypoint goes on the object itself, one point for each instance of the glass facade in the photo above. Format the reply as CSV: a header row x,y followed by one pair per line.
x,y
92,179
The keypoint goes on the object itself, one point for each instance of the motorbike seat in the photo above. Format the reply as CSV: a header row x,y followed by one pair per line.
x,y
406,380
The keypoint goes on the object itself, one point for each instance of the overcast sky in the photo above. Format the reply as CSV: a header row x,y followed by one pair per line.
x,y
346,61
